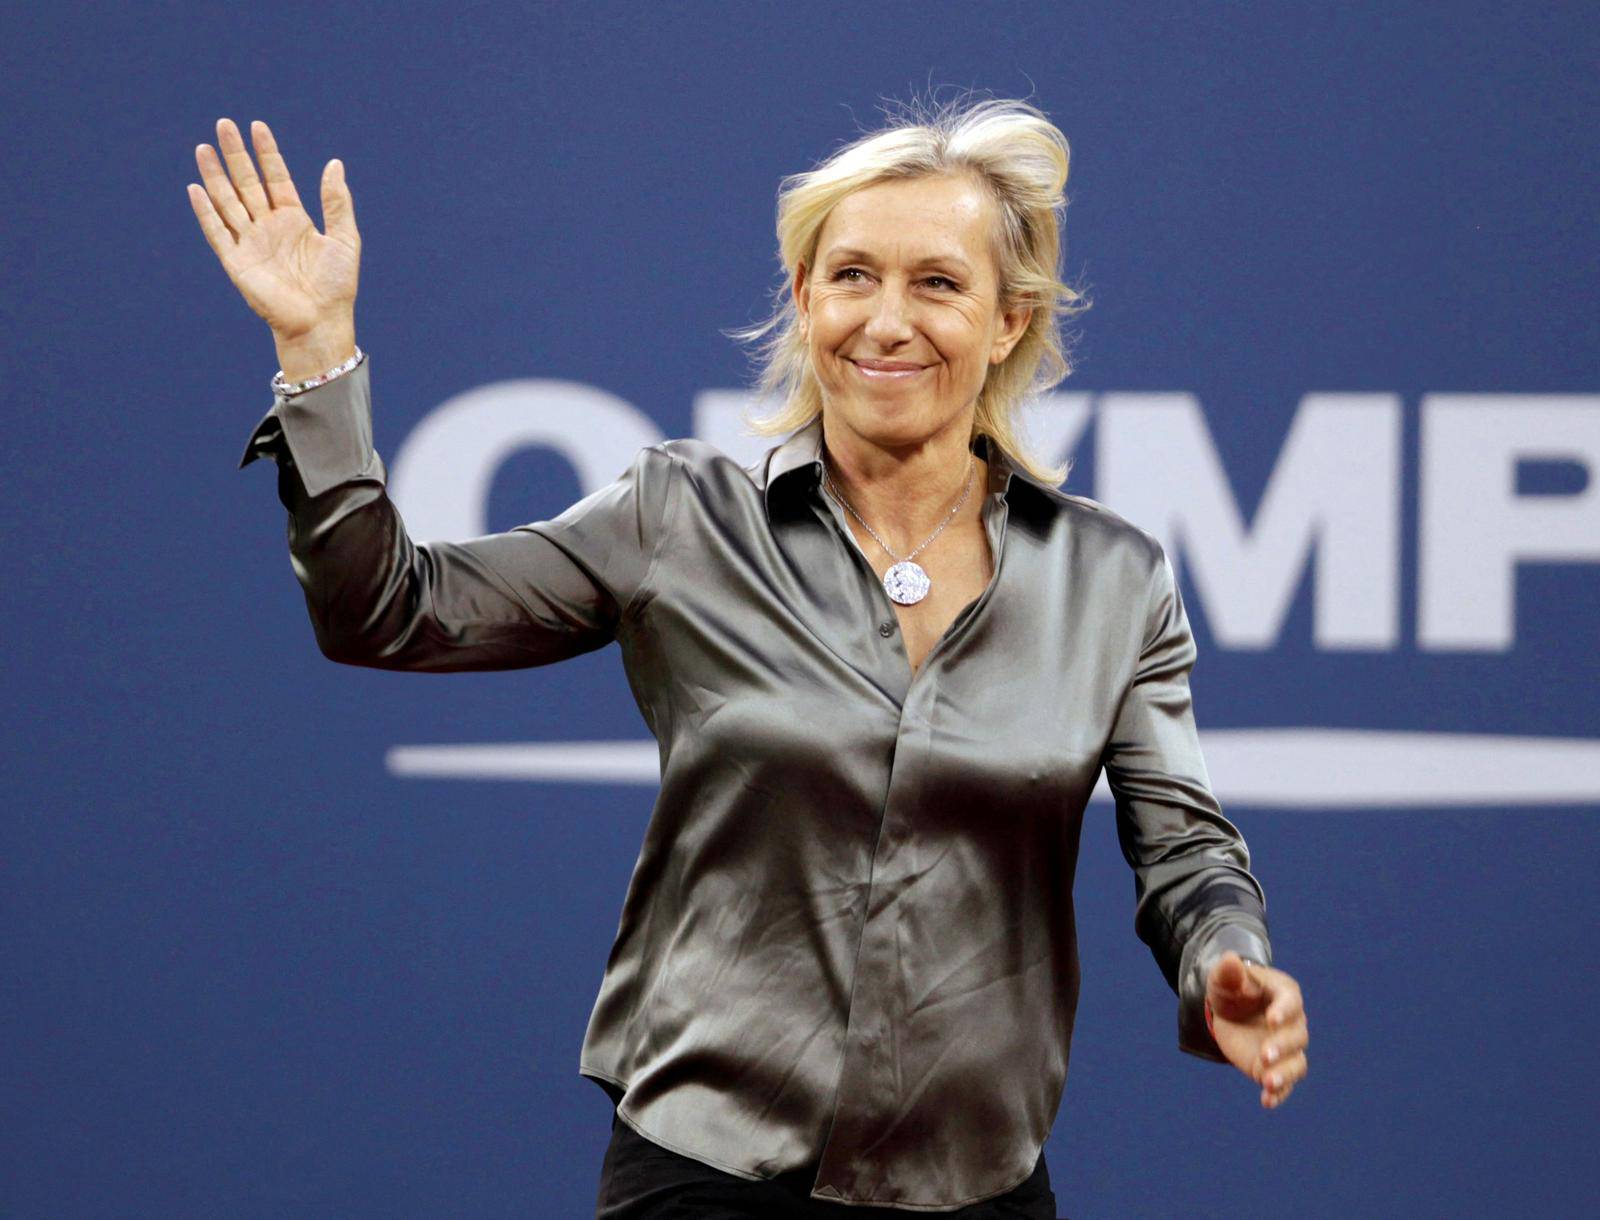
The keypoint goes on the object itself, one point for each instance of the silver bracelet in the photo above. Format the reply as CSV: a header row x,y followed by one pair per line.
x,y
287,388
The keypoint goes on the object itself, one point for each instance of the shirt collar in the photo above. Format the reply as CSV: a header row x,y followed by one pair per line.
x,y
796,464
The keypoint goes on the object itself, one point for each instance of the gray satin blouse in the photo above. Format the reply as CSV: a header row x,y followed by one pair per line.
x,y
848,941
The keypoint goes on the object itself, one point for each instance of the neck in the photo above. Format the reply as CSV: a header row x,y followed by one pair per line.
x,y
906,491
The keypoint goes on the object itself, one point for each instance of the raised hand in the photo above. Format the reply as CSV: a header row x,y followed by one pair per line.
x,y
302,282
1258,1018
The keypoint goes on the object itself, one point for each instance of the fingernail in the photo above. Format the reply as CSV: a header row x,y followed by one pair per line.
x,y
1270,1054
1274,1080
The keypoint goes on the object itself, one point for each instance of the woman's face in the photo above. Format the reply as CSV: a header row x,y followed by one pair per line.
x,y
904,276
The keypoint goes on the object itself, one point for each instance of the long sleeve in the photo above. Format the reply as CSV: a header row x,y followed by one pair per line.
x,y
1194,894
536,594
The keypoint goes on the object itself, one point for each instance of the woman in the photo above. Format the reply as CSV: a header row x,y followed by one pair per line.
x,y
885,665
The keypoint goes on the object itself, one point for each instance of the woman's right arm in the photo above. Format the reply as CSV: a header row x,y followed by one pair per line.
x,y
536,594
533,595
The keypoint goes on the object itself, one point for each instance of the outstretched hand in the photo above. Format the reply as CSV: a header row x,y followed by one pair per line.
x,y
301,281
1259,1021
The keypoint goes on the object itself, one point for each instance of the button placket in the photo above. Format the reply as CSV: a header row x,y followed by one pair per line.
x,y
867,1093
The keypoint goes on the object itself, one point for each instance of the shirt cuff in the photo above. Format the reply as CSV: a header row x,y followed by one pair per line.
x,y
325,433
1245,937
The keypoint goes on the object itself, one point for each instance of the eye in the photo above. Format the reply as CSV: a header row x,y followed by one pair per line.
x,y
943,281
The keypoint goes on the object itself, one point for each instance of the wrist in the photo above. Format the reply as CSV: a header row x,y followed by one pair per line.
x,y
316,351
284,388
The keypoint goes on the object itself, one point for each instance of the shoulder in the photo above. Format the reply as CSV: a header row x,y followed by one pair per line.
x,y
708,468
1119,562
1096,531
694,452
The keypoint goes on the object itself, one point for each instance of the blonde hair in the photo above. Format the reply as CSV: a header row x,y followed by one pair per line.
x,y
1022,158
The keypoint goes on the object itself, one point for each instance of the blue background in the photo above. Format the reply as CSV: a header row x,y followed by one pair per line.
x,y
248,972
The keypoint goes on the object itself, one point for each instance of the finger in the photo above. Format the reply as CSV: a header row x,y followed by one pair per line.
x,y
1278,1082
242,169
216,233
223,196
338,208
1271,1101
1267,1063
1234,990
1256,980
1279,1047
1285,1009
1231,973
1287,1041
280,186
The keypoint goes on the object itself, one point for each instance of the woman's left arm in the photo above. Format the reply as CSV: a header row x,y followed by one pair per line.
x,y
1196,903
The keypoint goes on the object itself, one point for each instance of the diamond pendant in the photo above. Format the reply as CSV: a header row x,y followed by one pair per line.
x,y
906,583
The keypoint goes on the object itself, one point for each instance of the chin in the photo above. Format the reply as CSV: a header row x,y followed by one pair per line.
x,y
889,424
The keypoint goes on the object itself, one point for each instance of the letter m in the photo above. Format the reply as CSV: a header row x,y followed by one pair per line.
x,y
1334,494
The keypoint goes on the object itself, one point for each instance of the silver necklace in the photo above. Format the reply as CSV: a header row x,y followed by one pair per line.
x,y
905,582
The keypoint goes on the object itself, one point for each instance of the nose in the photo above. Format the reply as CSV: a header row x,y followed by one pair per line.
x,y
889,324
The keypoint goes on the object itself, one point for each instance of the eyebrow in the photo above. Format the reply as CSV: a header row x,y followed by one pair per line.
x,y
852,255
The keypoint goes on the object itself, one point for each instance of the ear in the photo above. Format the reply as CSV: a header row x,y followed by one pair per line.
x,y
802,297
1013,325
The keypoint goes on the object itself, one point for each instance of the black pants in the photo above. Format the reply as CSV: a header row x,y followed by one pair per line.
x,y
640,1180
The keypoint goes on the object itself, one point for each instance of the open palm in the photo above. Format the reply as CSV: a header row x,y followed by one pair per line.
x,y
297,278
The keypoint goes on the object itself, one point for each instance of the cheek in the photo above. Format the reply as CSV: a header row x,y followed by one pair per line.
x,y
832,320
962,346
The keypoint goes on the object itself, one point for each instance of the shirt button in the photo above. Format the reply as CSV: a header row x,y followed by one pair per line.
x,y
886,629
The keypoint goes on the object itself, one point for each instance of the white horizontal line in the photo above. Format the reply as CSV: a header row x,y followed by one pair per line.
x,y
577,762
1314,768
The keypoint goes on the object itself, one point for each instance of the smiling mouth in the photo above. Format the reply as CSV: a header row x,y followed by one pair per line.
x,y
887,374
